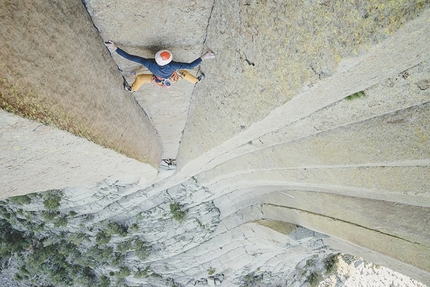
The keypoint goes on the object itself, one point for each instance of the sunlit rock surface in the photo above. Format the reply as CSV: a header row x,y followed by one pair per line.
x,y
309,137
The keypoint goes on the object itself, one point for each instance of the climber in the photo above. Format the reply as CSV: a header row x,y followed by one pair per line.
x,y
164,70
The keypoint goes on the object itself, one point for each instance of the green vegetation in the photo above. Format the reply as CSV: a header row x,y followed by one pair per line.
x,y
355,96
47,254
61,221
49,216
11,240
176,210
142,273
134,228
142,250
72,213
78,238
102,238
252,279
104,281
116,228
22,199
211,271
123,272
52,199
314,278
330,263
125,246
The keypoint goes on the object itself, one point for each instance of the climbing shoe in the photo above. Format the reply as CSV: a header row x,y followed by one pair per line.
x,y
127,87
201,77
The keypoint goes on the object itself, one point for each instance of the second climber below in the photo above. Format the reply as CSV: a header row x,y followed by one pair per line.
x,y
164,70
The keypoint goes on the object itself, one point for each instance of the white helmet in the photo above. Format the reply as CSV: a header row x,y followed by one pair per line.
x,y
163,57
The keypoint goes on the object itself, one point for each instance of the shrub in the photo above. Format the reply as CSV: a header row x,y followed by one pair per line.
x,y
330,263
61,222
39,227
134,227
252,279
104,281
102,237
106,254
11,240
52,199
22,199
355,95
65,248
313,279
141,273
116,228
72,213
211,271
81,260
116,259
178,214
78,238
142,250
123,272
75,254
95,253
121,282
4,212
142,253
125,246
87,278
48,216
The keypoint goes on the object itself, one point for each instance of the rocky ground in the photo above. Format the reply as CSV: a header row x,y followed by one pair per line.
x,y
169,236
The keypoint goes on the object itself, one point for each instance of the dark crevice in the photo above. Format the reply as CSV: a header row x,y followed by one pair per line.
x,y
208,23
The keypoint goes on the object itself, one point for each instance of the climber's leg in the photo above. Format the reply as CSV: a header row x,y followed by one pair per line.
x,y
187,76
140,80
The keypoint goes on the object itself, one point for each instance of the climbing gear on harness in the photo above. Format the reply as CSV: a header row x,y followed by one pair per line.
x,y
166,83
163,57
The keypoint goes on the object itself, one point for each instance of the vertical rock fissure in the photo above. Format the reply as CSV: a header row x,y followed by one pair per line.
x,y
207,26
199,69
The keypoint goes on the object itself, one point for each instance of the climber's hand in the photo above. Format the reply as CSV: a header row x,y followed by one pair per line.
x,y
208,55
110,45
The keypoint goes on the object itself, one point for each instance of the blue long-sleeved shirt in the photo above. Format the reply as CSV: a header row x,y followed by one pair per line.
x,y
161,71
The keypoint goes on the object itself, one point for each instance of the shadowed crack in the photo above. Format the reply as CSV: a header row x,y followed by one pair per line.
x,y
207,26
344,221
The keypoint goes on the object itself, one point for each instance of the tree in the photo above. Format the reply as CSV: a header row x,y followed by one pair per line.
x,y
61,222
52,199
48,216
21,199
123,272
125,246
102,237
116,228
104,281
11,240
176,210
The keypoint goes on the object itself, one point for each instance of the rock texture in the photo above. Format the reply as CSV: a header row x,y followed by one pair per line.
x,y
308,137
56,68
142,30
36,157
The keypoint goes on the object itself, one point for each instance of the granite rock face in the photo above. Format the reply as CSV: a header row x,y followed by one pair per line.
x,y
308,137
